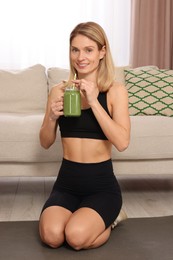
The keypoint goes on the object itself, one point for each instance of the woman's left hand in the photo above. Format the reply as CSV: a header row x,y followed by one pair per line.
x,y
88,88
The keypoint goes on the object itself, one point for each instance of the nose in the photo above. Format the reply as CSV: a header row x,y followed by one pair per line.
x,y
81,55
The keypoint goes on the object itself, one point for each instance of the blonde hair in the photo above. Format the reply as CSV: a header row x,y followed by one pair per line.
x,y
106,70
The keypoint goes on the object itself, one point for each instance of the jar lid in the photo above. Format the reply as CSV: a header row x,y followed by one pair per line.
x,y
71,88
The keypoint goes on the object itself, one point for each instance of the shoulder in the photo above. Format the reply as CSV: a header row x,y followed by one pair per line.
x,y
117,90
117,97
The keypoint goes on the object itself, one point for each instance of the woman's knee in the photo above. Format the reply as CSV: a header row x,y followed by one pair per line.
x,y
51,236
77,237
52,224
80,238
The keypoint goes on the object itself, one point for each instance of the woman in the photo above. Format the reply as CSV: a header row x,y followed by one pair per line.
x,y
86,197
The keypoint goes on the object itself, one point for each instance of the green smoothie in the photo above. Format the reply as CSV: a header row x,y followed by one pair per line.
x,y
72,102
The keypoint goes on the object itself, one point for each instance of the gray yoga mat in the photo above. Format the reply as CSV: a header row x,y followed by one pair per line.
x,y
132,239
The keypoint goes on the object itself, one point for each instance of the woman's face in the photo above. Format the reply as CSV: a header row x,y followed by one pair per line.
x,y
84,54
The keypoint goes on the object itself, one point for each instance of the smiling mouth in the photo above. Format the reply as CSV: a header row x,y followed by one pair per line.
x,y
82,66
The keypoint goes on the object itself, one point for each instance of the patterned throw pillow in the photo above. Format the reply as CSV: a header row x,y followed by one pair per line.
x,y
150,91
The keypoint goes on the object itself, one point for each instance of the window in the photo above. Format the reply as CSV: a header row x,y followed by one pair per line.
x,y
37,31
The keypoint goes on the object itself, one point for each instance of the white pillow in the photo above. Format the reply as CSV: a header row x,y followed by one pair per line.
x,y
23,91
56,75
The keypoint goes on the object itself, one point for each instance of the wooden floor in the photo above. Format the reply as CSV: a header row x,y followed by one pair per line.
x,y
21,198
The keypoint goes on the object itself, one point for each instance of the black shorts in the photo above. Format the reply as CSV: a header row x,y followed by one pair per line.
x,y
91,185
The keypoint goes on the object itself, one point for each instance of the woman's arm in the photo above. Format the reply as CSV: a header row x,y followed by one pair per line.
x,y
117,128
53,111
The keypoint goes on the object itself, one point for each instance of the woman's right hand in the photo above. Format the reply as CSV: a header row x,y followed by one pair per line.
x,y
53,111
56,109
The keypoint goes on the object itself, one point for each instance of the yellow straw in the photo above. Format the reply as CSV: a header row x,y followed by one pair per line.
x,y
74,79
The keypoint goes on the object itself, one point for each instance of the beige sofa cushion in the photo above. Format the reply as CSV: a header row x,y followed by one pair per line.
x,y
151,138
119,73
19,139
23,90
56,75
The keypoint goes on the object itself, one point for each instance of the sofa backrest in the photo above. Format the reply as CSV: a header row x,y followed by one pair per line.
x,y
56,75
23,91
26,90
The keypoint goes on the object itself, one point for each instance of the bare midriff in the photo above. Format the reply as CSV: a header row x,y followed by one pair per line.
x,y
86,150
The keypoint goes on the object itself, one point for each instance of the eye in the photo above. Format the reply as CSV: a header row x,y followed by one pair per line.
x,y
89,50
74,50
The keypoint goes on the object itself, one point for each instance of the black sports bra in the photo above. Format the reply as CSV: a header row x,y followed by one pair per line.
x,y
86,125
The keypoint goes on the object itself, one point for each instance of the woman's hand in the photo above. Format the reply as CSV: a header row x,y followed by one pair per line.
x,y
56,109
88,88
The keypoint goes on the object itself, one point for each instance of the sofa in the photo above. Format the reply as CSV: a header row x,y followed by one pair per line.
x,y
23,97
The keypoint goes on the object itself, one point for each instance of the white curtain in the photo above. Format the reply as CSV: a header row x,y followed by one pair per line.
x,y
37,31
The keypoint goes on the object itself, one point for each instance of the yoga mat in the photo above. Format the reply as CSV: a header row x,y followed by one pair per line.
x,y
132,239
